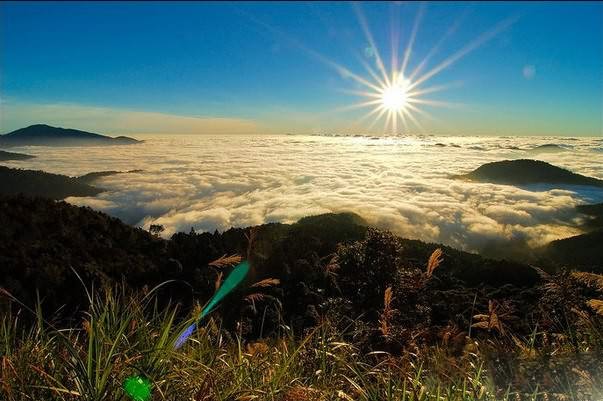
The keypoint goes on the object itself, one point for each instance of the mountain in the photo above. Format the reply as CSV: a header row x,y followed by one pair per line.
x,y
526,171
583,251
45,135
39,183
43,240
5,156
547,148
91,177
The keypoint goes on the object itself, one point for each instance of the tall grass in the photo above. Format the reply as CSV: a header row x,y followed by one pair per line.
x,y
123,333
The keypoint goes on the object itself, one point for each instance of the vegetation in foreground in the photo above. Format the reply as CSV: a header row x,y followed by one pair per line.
x,y
123,333
332,310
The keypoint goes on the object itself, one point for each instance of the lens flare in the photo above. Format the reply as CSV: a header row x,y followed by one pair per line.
x,y
137,387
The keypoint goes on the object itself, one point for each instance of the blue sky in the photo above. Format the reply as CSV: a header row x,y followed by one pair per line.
x,y
261,67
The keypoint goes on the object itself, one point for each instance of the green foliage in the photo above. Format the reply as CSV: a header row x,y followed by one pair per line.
x,y
365,286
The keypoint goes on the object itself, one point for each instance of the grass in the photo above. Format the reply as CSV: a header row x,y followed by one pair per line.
x,y
122,334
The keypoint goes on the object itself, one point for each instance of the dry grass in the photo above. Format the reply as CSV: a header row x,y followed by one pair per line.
x,y
267,282
495,318
387,314
226,261
434,261
591,280
125,335
597,305
595,282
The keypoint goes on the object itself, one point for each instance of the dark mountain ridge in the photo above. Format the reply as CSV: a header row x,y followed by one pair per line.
x,y
45,135
42,240
95,175
6,156
527,171
584,251
39,183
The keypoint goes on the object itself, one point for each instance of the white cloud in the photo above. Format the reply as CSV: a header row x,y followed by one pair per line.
x,y
215,182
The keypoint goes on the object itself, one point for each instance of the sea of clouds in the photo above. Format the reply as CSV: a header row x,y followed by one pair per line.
x,y
399,183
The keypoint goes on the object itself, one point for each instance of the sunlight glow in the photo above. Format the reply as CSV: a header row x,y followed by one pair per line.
x,y
394,97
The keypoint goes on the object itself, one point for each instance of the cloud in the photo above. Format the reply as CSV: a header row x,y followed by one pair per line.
x,y
401,184
114,121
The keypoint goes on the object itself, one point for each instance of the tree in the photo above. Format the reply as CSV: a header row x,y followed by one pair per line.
x,y
156,229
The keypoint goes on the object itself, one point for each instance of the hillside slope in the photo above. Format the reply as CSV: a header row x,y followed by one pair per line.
x,y
43,240
584,252
39,183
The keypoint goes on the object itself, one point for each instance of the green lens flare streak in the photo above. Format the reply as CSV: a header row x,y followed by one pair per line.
x,y
232,281
138,388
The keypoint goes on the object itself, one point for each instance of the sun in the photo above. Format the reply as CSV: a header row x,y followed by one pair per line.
x,y
396,93
394,97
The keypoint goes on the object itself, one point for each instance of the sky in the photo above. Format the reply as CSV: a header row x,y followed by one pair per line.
x,y
220,68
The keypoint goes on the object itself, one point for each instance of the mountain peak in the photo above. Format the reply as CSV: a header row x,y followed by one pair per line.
x,y
527,171
46,135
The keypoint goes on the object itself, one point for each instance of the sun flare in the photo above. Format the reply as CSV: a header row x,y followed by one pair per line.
x,y
395,96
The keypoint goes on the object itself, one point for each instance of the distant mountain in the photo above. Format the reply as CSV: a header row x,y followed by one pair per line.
x,y
5,156
91,177
525,171
45,135
549,147
38,183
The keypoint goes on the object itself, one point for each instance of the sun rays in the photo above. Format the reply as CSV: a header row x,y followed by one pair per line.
x,y
395,97
395,93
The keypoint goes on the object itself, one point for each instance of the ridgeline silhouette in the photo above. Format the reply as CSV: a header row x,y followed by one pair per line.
x,y
6,156
45,135
526,171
